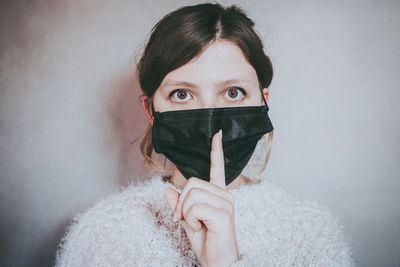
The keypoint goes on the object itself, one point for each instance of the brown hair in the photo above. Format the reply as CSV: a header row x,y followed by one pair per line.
x,y
182,35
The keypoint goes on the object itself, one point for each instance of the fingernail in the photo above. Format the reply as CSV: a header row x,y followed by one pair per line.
x,y
220,134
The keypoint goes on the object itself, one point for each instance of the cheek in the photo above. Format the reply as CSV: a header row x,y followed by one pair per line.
x,y
254,98
161,102
158,102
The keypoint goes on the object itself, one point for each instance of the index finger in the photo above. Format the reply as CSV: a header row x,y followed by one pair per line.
x,y
217,168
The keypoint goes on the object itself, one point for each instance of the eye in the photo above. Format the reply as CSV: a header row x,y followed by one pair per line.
x,y
180,95
235,93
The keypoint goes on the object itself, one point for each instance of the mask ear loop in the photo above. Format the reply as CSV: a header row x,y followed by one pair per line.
x,y
168,176
265,102
267,145
257,177
152,106
265,160
151,103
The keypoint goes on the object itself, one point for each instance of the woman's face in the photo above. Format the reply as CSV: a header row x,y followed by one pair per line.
x,y
219,77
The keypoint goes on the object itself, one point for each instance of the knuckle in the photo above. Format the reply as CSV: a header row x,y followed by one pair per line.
x,y
194,192
195,209
192,181
190,212
186,203
196,225
186,213
191,197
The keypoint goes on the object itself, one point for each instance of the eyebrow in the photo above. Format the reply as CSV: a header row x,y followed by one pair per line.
x,y
230,81
178,83
188,84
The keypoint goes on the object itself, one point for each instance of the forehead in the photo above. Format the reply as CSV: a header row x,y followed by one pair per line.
x,y
221,60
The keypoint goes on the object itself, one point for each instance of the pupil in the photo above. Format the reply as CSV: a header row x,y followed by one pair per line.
x,y
182,95
232,93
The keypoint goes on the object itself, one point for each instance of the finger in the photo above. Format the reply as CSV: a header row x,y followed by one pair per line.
x,y
217,171
198,196
194,182
189,230
213,218
171,195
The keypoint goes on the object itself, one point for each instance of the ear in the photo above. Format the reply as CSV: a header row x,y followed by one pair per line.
x,y
265,93
146,104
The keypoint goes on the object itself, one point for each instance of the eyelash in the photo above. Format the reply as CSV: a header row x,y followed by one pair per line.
x,y
244,93
170,96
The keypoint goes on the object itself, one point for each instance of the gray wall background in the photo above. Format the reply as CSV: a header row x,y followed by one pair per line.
x,y
69,108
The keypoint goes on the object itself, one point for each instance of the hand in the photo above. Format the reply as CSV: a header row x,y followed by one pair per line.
x,y
206,210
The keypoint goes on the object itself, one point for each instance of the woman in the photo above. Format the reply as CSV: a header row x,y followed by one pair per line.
x,y
205,79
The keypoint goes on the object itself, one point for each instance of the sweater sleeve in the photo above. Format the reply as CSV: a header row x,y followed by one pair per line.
x,y
324,246
112,233
293,232
72,250
328,245
129,228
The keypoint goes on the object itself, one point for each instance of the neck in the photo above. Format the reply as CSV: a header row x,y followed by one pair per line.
x,y
179,180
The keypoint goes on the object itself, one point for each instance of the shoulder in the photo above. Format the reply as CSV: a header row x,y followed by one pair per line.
x,y
269,197
122,203
309,226
113,223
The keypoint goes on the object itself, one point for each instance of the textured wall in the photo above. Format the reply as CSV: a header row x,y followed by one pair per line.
x,y
69,109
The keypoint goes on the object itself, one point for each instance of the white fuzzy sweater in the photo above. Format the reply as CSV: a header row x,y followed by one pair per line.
x,y
134,227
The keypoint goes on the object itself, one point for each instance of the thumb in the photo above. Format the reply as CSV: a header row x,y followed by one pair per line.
x,y
171,195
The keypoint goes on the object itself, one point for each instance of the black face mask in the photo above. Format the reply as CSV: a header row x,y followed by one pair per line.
x,y
184,137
